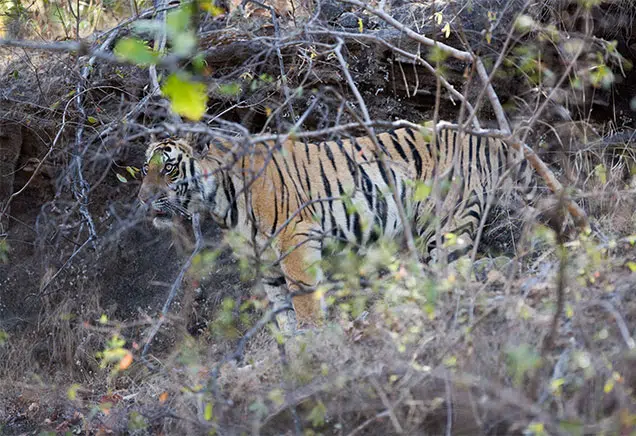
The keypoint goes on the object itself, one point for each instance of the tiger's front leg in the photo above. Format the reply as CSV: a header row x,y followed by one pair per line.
x,y
300,262
277,295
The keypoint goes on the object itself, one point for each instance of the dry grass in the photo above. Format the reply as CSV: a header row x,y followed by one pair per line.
x,y
475,353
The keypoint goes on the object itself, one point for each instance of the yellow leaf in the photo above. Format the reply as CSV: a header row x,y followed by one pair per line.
x,y
450,361
163,397
207,413
72,391
631,265
536,428
556,384
360,25
211,8
126,361
609,386
188,98
132,171
446,29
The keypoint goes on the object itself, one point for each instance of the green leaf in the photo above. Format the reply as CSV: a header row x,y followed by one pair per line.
x,y
317,414
178,20
422,191
92,120
188,98
277,397
184,43
572,428
4,337
121,178
601,173
135,51
5,249
522,360
230,89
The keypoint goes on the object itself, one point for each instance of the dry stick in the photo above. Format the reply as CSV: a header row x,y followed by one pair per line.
x,y
439,203
83,186
620,322
342,128
540,167
415,58
362,426
387,404
175,287
159,46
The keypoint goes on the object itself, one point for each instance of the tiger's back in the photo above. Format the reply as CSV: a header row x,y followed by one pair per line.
x,y
349,187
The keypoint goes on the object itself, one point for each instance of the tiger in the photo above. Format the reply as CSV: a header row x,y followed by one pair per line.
x,y
288,196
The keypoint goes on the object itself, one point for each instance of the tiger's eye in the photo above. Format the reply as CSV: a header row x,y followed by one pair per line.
x,y
168,168
144,170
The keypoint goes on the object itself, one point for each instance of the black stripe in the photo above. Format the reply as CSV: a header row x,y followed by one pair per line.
x,y
329,153
230,193
359,150
275,223
357,228
397,145
417,158
307,152
367,189
284,188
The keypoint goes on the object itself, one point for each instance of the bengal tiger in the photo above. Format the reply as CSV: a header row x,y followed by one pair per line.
x,y
299,192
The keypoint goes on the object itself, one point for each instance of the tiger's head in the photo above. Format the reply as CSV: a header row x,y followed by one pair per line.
x,y
175,182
